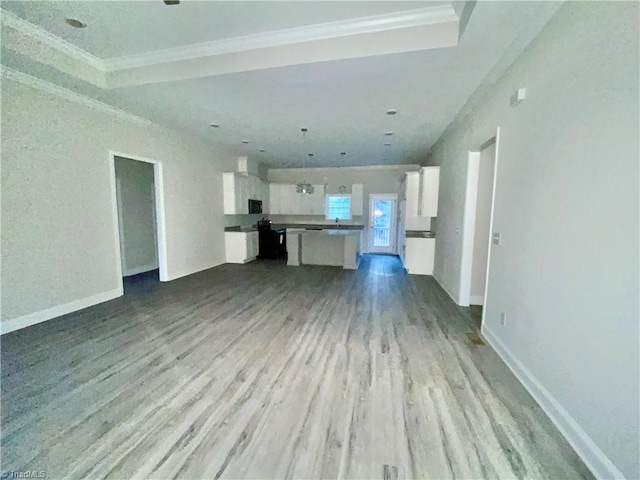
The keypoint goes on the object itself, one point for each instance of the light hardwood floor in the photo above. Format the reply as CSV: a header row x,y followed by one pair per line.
x,y
268,371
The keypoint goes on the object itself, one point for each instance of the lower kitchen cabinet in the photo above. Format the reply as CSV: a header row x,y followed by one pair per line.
x,y
419,255
241,247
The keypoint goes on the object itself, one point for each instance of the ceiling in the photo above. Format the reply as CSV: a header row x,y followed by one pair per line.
x,y
122,28
339,85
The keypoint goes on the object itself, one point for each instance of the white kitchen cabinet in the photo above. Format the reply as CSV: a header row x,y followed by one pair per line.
x,y
238,189
412,193
357,199
315,203
285,200
230,193
241,247
419,255
420,189
429,185
266,197
274,198
288,201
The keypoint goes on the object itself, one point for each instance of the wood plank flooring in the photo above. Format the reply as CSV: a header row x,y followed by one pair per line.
x,y
268,371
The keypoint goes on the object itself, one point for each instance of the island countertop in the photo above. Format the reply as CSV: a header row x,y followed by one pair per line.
x,y
310,226
306,231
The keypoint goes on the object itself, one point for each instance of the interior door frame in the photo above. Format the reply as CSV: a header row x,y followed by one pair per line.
x,y
161,224
469,224
392,228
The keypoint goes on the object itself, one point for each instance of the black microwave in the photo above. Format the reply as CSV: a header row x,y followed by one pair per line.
x,y
255,206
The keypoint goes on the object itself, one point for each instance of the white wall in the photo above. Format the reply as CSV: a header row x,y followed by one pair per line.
x,y
375,179
566,274
483,218
138,238
58,243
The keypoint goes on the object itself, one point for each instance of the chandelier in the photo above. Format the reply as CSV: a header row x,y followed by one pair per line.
x,y
304,186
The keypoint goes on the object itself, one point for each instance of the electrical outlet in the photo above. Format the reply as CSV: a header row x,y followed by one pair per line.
x,y
503,319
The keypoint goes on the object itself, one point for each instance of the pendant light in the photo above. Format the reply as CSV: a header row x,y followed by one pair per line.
x,y
304,187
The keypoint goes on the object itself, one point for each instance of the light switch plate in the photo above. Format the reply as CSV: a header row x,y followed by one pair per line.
x,y
496,238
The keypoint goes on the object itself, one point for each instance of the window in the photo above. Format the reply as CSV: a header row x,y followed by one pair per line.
x,y
338,206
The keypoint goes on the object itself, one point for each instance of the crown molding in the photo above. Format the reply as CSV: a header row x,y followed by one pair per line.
x,y
10,20
358,26
162,65
47,87
405,166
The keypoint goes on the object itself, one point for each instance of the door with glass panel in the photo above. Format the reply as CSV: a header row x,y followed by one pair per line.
x,y
382,223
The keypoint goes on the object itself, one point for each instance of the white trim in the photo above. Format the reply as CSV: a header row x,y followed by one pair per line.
x,y
585,447
326,205
469,227
135,271
10,20
469,223
475,300
357,26
393,228
67,94
413,166
158,181
24,321
491,220
123,252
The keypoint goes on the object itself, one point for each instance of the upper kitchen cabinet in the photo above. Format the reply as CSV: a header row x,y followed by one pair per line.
x,y
357,199
421,192
238,189
429,185
285,200
274,198
412,193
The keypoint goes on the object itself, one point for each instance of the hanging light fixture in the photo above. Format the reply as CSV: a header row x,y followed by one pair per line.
x,y
304,187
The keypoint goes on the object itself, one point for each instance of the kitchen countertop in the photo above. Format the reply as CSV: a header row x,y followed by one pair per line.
x,y
238,228
420,234
321,226
279,226
324,231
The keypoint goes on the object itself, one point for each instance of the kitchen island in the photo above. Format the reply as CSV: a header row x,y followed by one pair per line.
x,y
314,246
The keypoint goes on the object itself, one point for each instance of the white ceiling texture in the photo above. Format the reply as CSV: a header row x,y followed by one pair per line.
x,y
262,70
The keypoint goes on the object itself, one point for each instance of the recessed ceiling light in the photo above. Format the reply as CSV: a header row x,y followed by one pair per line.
x,y
388,134
387,144
75,23
214,125
245,141
261,150
391,112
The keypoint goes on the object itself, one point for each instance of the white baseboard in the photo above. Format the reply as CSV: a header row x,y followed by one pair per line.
x,y
585,447
24,321
445,289
137,270
476,300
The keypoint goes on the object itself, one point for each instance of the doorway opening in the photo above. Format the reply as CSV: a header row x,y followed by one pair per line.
x,y
478,223
382,223
139,221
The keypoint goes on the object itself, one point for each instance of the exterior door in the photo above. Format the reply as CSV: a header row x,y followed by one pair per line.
x,y
382,223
